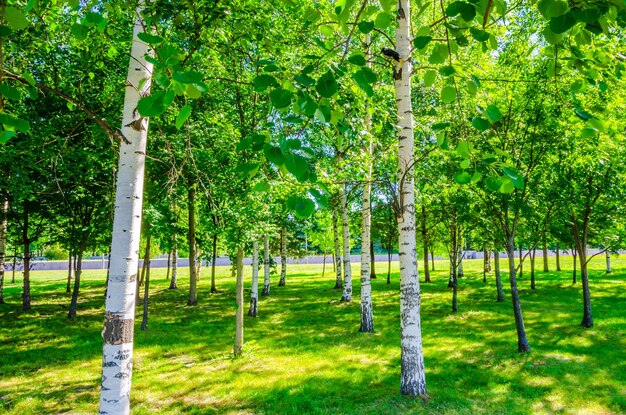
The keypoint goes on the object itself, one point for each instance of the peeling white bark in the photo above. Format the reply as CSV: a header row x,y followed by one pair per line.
x,y
120,301
347,269
367,314
413,379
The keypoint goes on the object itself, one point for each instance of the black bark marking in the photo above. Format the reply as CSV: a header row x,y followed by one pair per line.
x,y
117,330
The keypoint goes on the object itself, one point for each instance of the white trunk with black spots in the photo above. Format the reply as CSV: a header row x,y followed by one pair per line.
x,y
238,347
120,300
367,315
254,290
283,258
337,247
174,280
266,265
347,269
413,378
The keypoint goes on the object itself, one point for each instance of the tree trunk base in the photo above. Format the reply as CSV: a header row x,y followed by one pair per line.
x,y
345,299
173,287
587,323
192,302
523,348
281,283
266,291
213,290
338,286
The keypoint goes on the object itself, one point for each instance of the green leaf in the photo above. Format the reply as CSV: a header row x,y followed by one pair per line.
x,y
29,78
10,92
480,123
264,81
366,27
14,123
429,78
357,59
182,116
383,20
465,164
455,8
152,105
281,98
493,183
479,35
320,198
6,135
79,31
188,77
150,39
304,80
448,94
440,126
439,54
297,165
562,24
507,186
326,85
420,42
15,18
552,8
463,149
493,113
273,154
447,70
462,177
304,207
476,177
262,187
515,177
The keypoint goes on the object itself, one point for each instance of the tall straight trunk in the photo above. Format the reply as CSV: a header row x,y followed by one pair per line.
x,y
432,259
455,286
574,268
425,240
522,340
26,260
367,315
198,264
609,268
283,257
119,319
239,299
169,265
372,261
413,377
389,264
14,266
338,259
174,280
558,257
533,254
580,240
79,268
146,287
3,238
266,266
459,271
324,264
213,260
521,262
496,263
347,267
545,254
70,268
254,290
191,237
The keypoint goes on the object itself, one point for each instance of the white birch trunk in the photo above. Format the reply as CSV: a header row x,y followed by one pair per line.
x,y
413,379
3,239
266,266
120,301
283,257
239,299
609,269
174,280
367,315
254,290
338,259
347,269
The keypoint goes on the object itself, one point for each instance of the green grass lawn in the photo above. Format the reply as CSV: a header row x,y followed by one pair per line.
x,y
303,354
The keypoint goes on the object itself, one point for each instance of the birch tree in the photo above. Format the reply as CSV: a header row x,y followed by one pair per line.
x,y
254,290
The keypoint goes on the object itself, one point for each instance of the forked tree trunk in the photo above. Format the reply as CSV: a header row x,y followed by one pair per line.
x,y
191,237
522,340
213,259
609,268
120,301
338,260
254,290
496,263
283,257
266,266
174,280
26,260
425,241
367,315
413,378
558,257
238,347
79,268
347,268
146,287
3,238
